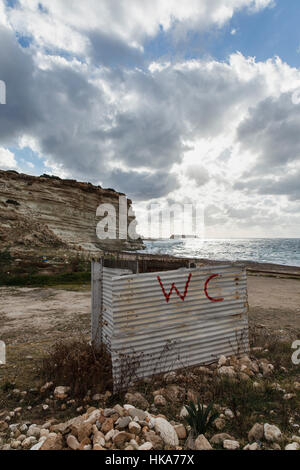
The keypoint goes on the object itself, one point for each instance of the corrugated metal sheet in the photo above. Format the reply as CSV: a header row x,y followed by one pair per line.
x,y
107,312
162,336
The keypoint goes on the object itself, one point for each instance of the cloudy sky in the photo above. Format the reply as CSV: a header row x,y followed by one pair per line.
x,y
167,101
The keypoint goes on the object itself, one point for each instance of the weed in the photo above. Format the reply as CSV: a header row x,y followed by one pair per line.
x,y
77,364
200,418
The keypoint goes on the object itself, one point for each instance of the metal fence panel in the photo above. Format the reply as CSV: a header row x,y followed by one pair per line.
x,y
169,320
107,309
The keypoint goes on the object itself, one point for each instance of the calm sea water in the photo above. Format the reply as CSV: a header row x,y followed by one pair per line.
x,y
284,251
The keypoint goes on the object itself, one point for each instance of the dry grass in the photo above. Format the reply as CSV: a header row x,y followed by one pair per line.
x,y
75,363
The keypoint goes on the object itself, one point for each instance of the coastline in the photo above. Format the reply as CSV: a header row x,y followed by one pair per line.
x,y
251,266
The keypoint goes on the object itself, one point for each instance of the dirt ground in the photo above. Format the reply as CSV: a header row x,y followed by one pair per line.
x,y
275,304
29,315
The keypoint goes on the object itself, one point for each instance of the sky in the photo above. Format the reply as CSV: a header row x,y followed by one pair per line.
x,y
170,102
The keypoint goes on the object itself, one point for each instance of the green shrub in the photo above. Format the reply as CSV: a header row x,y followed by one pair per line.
x,y
200,418
40,280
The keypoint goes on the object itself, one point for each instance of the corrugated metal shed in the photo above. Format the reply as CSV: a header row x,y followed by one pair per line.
x,y
169,320
107,308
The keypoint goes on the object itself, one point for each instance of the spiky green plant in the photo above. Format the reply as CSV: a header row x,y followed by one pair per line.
x,y
200,418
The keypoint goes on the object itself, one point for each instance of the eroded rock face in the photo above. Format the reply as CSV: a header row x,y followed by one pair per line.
x,y
50,212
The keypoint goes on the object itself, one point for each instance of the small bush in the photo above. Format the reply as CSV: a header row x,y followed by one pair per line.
x,y
78,365
44,280
199,418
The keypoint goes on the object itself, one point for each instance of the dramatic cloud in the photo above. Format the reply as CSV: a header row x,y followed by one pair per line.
x,y
271,131
287,185
83,94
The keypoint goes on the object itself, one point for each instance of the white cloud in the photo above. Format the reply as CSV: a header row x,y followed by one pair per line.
x,y
65,24
7,159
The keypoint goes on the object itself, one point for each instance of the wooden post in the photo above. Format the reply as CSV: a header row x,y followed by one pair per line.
x,y
96,316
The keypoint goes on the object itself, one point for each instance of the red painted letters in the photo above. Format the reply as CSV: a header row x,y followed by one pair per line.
x,y
167,296
173,287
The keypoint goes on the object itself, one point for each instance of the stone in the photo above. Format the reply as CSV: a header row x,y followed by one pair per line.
x,y
227,371
222,361
146,446
53,443
122,423
137,400
155,440
201,443
297,385
3,426
119,410
229,414
254,446
134,444
183,412
128,407
84,431
173,392
219,424
85,442
34,431
28,443
93,417
218,439
180,431
205,370
108,412
120,438
15,444
166,431
107,426
136,413
296,439
23,428
61,393
275,446
272,433
159,400
292,446
134,428
97,397
98,447
289,396
170,377
98,439
38,445
72,425
73,442
228,444
46,387
256,433
266,368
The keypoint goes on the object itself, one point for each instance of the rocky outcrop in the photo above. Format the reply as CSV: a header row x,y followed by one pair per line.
x,y
51,212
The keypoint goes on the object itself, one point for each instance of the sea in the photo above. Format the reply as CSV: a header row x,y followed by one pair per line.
x,y
284,251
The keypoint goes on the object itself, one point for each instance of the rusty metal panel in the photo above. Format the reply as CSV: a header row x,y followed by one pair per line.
x,y
169,320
